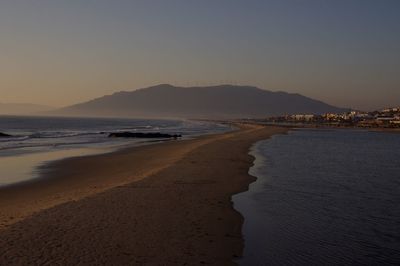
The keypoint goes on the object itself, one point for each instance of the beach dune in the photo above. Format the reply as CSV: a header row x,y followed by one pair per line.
x,y
162,204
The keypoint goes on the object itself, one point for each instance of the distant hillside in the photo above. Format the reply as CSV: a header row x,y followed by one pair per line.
x,y
225,101
22,109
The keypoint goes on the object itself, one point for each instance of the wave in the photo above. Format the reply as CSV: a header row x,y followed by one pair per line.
x,y
21,145
52,135
14,138
137,127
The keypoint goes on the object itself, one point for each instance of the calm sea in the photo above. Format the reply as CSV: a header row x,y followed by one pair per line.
x,y
323,198
37,140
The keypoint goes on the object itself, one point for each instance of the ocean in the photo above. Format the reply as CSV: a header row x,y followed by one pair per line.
x,y
323,197
38,140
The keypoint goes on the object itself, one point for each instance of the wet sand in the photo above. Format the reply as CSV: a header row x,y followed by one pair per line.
x,y
163,204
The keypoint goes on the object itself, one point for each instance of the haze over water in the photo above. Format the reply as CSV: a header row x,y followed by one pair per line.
x,y
323,198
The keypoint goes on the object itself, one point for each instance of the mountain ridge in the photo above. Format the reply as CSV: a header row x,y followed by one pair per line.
x,y
221,101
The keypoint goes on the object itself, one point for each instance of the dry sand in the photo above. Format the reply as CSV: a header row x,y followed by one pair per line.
x,y
163,204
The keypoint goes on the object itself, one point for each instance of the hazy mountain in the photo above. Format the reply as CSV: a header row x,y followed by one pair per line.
x,y
225,101
22,109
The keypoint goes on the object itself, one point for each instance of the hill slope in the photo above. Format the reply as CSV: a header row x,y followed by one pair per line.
x,y
225,101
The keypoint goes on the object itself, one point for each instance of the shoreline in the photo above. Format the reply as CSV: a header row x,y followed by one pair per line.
x,y
316,126
180,209
40,168
21,163
242,202
54,178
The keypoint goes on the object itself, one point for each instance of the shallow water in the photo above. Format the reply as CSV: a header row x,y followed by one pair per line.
x,y
33,134
323,198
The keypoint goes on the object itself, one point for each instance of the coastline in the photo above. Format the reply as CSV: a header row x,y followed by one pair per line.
x,y
241,201
316,126
165,203
66,179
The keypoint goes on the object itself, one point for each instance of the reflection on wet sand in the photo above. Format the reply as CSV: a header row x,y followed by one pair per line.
x,y
15,169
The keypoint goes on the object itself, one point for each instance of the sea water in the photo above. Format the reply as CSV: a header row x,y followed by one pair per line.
x,y
37,140
323,197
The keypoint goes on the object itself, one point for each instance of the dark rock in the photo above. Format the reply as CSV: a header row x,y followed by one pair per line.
x,y
142,135
4,135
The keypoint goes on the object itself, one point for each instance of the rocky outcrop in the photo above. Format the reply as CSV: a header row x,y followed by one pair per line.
x,y
4,135
143,135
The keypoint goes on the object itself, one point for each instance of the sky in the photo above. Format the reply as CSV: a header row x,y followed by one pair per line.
x,y
344,52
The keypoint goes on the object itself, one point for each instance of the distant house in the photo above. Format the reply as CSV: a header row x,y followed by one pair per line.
x,y
391,110
384,118
303,117
363,115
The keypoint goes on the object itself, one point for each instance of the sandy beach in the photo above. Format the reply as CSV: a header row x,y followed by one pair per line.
x,y
161,204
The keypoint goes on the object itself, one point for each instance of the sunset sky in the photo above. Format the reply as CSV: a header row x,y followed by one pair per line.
x,y
344,52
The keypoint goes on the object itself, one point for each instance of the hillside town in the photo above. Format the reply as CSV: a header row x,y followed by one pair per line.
x,y
386,118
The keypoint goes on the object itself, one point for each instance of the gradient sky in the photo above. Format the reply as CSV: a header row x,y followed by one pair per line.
x,y
344,52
